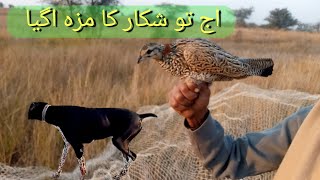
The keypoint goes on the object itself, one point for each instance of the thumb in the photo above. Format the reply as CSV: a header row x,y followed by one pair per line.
x,y
203,86
204,89
193,86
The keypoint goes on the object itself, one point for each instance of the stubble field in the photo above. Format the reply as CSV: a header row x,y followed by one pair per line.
x,y
104,73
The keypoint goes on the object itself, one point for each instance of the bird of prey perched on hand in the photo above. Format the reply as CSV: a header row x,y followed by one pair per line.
x,y
202,60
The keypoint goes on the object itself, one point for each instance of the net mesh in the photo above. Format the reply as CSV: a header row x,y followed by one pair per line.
x,y
163,148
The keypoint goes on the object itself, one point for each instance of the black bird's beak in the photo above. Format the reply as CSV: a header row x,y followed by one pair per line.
x,y
139,59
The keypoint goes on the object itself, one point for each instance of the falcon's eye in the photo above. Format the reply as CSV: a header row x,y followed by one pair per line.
x,y
149,51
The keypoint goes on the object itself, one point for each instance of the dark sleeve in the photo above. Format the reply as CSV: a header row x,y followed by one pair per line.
x,y
251,154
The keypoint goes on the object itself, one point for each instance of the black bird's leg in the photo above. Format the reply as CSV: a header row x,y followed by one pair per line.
x,y
78,149
82,165
63,154
123,147
62,160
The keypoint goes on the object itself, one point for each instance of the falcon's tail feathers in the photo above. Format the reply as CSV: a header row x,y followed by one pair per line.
x,y
267,71
260,67
142,116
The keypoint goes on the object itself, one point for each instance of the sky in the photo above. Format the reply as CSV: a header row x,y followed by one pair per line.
x,y
306,11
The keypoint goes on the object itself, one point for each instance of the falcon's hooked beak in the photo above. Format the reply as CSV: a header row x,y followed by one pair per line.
x,y
144,58
140,59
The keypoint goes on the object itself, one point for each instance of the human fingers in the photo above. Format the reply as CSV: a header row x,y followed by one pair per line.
x,y
203,100
192,86
176,105
184,111
181,99
178,96
188,93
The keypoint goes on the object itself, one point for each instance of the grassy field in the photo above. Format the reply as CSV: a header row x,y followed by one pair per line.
x,y
104,73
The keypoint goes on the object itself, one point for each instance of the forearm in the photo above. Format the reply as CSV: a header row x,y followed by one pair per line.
x,y
251,154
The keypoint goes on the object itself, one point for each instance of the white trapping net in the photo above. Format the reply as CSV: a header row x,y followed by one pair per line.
x,y
163,147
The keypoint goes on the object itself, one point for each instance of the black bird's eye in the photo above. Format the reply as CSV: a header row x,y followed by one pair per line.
x,y
149,51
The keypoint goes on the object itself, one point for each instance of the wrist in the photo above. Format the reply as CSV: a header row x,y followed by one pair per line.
x,y
197,120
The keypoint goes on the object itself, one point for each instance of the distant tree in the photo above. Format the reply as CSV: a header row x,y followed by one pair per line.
x,y
94,12
253,25
1,5
317,27
105,2
281,18
11,6
175,10
170,11
305,27
82,2
265,26
242,15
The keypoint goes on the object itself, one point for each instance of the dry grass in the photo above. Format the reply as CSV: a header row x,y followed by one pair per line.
x,y
103,73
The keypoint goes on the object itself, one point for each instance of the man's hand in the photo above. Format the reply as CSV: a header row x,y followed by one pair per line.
x,y
190,101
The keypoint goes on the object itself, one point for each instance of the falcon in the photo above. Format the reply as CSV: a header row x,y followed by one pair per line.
x,y
203,61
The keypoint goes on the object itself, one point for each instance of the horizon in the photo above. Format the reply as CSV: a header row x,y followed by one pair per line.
x,y
299,10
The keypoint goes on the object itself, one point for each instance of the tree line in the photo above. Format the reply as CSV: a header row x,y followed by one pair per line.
x,y
75,2
277,18
2,5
